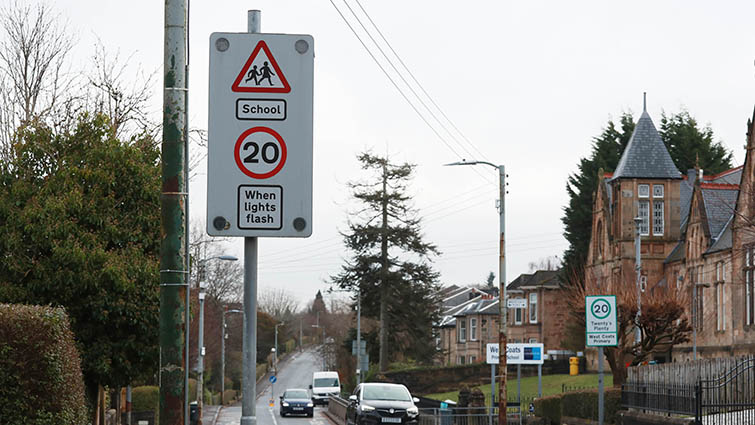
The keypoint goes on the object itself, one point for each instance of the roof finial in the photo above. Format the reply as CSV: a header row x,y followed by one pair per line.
x,y
644,101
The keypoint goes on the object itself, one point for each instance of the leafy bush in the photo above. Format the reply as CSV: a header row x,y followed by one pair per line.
x,y
40,369
584,404
261,370
549,408
230,396
146,398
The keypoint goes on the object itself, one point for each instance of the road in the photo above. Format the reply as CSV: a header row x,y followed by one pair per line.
x,y
294,373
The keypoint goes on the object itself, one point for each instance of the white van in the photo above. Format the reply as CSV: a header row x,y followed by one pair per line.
x,y
323,385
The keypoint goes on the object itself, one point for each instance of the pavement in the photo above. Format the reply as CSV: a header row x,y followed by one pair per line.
x,y
293,372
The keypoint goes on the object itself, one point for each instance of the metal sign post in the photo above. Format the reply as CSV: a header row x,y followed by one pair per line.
x,y
259,172
601,331
517,354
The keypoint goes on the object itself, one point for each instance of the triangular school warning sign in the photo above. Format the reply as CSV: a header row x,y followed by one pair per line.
x,y
261,73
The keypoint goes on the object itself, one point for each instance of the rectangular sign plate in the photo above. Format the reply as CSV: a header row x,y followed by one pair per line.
x,y
259,155
516,303
600,321
533,353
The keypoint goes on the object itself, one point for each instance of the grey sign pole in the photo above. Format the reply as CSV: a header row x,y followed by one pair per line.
x,y
539,380
492,392
519,390
249,384
600,385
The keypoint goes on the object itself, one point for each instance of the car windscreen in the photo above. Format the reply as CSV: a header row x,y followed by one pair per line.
x,y
379,392
325,382
296,395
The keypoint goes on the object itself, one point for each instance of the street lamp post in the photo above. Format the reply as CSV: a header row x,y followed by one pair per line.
x,y
275,353
222,355
502,298
200,331
638,270
695,316
359,335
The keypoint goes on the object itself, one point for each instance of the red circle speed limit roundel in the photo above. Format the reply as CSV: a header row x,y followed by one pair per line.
x,y
260,152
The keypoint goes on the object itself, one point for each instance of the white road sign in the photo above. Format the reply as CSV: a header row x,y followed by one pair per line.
x,y
517,353
259,172
600,321
516,303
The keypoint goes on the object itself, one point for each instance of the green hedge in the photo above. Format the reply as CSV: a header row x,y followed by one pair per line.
x,y
579,404
261,370
146,398
230,396
549,408
584,404
40,368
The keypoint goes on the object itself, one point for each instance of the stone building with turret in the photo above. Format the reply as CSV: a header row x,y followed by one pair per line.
x,y
696,232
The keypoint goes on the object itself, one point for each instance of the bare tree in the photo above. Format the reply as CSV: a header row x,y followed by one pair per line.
x,y
111,94
33,54
546,263
278,303
663,323
224,278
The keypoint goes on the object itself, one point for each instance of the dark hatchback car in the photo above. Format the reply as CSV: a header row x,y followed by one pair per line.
x,y
374,403
296,402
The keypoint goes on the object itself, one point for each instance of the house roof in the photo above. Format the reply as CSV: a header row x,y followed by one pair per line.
x,y
477,307
677,254
719,205
541,278
447,317
723,240
459,296
645,155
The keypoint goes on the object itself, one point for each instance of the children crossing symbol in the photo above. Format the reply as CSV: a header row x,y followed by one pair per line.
x,y
261,73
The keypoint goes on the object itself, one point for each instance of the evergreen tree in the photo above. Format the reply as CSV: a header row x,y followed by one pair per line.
x,y
577,219
686,142
390,262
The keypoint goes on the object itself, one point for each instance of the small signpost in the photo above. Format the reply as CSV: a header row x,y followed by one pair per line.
x,y
518,354
516,303
259,154
601,331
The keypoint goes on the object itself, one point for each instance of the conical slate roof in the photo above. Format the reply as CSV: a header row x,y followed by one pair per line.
x,y
645,155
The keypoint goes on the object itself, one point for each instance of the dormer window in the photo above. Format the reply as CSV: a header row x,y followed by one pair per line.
x,y
643,190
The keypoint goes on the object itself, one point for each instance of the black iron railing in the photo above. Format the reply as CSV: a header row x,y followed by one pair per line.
x,y
662,398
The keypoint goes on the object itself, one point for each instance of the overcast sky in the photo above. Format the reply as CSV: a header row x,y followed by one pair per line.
x,y
528,83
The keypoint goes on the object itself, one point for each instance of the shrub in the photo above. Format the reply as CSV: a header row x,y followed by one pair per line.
x,y
584,404
549,408
146,398
230,396
40,368
261,370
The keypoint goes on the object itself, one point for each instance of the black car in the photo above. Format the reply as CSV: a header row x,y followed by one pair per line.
x,y
374,403
296,402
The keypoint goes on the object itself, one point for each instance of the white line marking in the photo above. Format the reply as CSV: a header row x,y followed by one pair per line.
x,y
272,415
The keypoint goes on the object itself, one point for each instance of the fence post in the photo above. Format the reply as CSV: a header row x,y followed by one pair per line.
x,y
698,403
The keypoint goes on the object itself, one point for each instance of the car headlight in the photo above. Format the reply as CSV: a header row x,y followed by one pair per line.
x,y
285,404
366,408
412,411
310,404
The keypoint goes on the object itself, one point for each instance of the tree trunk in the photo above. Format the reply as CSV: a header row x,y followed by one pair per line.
x,y
383,363
615,361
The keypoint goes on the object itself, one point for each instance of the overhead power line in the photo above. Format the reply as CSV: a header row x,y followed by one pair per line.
x,y
400,90
421,87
